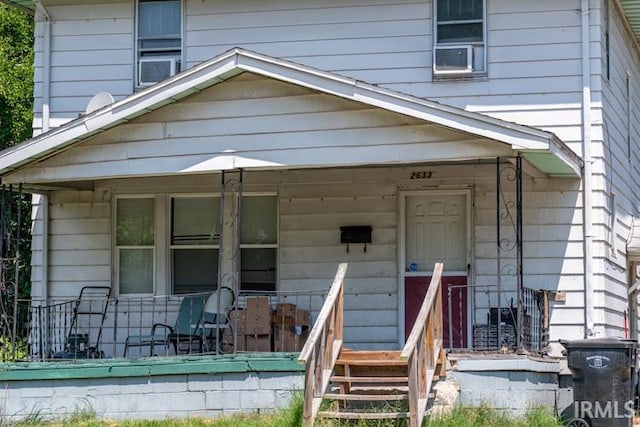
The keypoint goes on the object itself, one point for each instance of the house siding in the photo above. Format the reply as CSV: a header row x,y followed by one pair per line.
x,y
79,241
311,215
38,246
616,174
534,72
91,52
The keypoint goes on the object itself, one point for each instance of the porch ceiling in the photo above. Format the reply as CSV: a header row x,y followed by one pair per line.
x,y
480,136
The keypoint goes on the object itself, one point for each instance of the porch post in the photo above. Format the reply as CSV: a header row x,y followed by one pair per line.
x,y
222,233
498,254
509,259
229,254
520,275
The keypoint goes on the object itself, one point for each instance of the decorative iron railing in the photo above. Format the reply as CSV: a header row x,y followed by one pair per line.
x,y
104,327
495,326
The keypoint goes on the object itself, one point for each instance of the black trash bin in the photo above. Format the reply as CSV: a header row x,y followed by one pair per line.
x,y
603,371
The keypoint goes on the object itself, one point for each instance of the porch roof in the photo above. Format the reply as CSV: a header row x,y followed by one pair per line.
x,y
544,150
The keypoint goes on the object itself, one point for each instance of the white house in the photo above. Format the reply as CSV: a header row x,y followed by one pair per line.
x,y
499,137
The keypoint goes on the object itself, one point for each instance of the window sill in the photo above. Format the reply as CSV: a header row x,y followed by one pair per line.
x,y
468,78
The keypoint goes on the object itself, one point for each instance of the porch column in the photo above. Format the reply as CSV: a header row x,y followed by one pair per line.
x,y
229,255
509,261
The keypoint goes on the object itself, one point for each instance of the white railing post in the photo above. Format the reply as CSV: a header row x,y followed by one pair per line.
x,y
322,348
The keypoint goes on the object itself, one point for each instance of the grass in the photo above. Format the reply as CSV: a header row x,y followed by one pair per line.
x,y
292,417
484,416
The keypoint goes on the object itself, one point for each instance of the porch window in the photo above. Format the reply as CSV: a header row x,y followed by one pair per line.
x,y
159,40
259,243
195,240
135,224
460,41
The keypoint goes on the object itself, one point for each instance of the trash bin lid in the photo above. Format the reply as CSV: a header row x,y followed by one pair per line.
x,y
609,342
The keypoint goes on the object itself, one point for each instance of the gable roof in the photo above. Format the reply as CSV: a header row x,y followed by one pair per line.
x,y
543,149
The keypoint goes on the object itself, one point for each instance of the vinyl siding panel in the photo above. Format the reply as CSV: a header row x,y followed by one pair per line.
x,y
91,52
533,51
79,242
371,290
616,174
38,257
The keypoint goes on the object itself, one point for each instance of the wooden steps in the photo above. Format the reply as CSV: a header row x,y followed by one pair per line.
x,y
368,385
372,384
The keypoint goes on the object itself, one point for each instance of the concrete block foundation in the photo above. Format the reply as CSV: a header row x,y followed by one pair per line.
x,y
151,388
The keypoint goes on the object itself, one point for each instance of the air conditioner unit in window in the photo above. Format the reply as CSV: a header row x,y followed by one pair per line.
x,y
154,70
448,60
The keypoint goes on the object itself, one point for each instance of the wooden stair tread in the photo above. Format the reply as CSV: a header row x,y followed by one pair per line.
x,y
369,362
363,415
369,354
370,358
365,397
380,380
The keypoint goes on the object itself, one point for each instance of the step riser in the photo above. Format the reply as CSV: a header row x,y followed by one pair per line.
x,y
363,415
366,397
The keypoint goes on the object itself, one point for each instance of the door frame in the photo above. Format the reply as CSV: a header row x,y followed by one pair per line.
x,y
466,191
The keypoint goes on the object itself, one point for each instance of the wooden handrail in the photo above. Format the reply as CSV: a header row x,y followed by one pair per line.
x,y
424,349
322,348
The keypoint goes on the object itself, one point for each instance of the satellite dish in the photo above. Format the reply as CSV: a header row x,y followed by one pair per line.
x,y
99,100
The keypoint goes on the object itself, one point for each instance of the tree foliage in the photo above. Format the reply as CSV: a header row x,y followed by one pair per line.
x,y
16,114
16,75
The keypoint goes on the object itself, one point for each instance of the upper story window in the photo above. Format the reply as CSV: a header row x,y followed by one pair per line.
x,y
159,40
460,38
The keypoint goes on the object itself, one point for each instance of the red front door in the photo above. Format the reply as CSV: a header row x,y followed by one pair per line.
x,y
455,327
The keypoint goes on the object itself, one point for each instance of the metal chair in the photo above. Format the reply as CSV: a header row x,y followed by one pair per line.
x,y
186,330
215,318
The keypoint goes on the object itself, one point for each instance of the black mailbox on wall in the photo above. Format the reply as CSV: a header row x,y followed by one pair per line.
x,y
356,234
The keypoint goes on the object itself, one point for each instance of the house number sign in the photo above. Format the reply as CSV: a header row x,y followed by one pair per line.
x,y
420,175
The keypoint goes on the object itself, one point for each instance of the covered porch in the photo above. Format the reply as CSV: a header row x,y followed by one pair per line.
x,y
260,175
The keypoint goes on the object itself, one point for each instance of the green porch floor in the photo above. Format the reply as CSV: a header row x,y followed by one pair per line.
x,y
150,366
